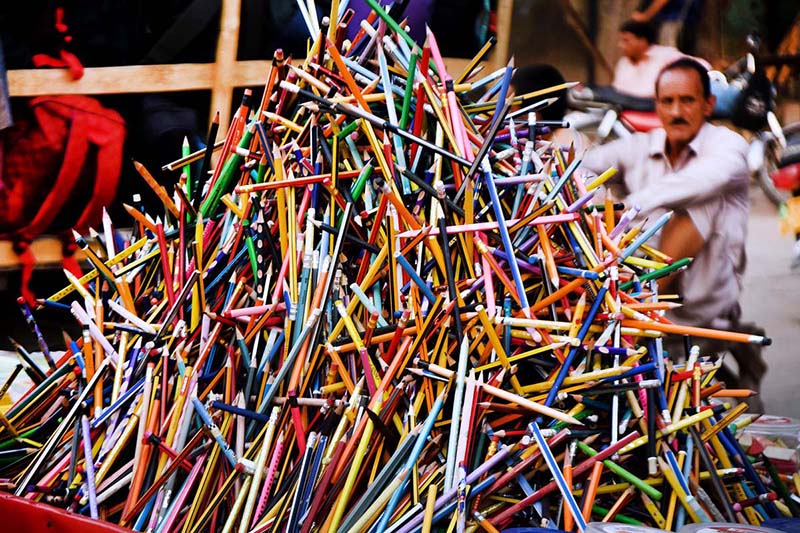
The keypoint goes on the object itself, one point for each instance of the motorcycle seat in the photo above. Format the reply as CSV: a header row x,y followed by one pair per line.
x,y
625,101
640,120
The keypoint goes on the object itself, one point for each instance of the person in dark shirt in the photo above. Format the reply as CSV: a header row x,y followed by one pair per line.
x,y
676,20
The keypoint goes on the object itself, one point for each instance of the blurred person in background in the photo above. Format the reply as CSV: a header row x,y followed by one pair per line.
x,y
642,59
675,20
542,76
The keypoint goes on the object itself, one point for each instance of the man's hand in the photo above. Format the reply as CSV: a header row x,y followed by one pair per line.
x,y
640,16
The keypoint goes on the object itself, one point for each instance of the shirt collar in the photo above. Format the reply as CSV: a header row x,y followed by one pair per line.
x,y
658,141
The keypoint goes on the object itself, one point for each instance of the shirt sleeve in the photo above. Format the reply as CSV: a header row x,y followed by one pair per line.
x,y
702,216
721,168
598,159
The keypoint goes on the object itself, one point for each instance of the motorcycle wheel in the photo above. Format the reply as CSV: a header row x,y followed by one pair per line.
x,y
772,154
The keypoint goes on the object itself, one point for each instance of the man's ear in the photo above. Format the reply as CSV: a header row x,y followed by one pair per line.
x,y
711,101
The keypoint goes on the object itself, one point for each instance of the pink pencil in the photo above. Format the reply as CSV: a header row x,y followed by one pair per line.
x,y
455,114
254,310
177,506
488,282
273,469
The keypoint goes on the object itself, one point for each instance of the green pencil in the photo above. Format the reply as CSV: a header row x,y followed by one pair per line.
x,y
660,273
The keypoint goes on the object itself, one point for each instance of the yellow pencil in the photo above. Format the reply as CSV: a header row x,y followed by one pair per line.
x,y
488,328
427,521
677,489
601,179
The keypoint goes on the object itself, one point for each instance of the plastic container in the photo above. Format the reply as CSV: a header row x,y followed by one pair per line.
x,y
775,427
725,527
776,437
21,515
616,527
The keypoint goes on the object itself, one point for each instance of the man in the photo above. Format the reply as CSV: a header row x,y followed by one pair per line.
x,y
699,171
642,59
676,20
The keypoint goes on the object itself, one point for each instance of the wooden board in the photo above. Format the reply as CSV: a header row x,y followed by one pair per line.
x,y
46,250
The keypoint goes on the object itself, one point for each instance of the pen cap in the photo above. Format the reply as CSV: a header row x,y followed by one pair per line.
x,y
725,527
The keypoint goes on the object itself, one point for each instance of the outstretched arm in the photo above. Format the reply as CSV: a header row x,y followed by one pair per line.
x,y
598,159
651,11
722,168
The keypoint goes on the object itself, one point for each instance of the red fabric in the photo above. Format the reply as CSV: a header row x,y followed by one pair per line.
x,y
65,154
65,59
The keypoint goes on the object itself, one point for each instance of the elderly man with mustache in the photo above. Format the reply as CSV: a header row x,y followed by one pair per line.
x,y
699,171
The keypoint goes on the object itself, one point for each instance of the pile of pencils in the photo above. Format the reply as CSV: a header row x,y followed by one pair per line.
x,y
387,303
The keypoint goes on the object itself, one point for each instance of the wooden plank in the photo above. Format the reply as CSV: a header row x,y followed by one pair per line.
x,y
133,79
148,78
227,47
505,11
46,250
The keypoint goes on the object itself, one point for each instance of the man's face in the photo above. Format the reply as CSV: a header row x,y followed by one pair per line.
x,y
631,46
681,106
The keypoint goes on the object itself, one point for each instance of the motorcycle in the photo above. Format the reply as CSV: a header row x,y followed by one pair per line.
x,y
786,177
604,114
745,101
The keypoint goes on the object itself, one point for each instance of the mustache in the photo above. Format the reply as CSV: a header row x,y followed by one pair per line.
x,y
678,121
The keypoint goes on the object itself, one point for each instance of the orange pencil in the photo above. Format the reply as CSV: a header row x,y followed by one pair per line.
x,y
140,217
591,490
698,332
547,251
158,189
141,468
569,521
734,393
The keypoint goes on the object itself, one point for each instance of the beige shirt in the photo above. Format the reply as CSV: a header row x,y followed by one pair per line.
x,y
639,79
710,182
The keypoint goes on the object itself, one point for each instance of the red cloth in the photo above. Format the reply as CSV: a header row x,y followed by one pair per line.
x,y
61,166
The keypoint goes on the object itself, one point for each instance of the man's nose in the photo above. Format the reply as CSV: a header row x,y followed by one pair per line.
x,y
674,109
